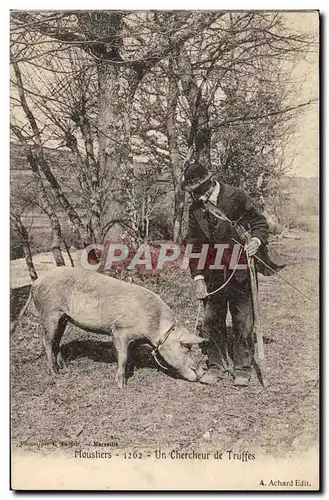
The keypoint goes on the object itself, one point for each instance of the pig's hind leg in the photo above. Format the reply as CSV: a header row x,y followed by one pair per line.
x,y
121,346
54,325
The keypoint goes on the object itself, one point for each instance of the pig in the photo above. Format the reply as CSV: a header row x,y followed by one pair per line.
x,y
105,305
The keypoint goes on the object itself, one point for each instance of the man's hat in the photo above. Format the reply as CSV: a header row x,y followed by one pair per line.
x,y
195,175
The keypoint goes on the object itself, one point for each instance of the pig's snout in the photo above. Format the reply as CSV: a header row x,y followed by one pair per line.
x,y
176,351
189,375
185,366
191,371
198,372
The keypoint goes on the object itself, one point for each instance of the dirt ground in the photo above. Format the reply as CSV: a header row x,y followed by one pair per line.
x,y
84,404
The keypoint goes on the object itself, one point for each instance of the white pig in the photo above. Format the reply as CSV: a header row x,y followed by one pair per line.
x,y
105,305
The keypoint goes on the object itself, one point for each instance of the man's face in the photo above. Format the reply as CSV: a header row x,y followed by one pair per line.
x,y
204,191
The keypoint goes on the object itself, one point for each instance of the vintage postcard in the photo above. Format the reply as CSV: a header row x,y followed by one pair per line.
x,y
164,213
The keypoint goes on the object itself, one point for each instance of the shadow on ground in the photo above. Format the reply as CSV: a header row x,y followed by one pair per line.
x,y
139,355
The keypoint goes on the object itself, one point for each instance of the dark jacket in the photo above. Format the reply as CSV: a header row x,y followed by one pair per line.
x,y
237,206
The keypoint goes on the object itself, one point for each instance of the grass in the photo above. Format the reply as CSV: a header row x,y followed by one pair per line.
x,y
85,405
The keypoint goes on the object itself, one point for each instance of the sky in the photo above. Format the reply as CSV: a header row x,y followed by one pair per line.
x,y
303,150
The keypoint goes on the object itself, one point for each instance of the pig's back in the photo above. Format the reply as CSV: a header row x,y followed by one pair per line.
x,y
79,292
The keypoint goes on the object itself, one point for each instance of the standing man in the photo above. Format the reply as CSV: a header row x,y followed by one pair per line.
x,y
204,228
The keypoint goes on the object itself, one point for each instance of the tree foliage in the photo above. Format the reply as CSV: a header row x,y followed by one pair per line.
x,y
130,94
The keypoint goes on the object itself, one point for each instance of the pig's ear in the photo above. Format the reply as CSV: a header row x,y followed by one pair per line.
x,y
189,338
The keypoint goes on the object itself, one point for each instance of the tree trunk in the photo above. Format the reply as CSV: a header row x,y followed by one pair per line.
x,y
95,184
28,258
200,130
49,211
56,240
116,90
203,135
68,252
113,125
179,204
24,237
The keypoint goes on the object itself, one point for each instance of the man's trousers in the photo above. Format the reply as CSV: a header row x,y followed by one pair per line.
x,y
236,296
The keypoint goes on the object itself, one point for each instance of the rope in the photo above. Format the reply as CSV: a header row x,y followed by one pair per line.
x,y
288,282
228,279
279,276
156,359
215,291
159,343
197,317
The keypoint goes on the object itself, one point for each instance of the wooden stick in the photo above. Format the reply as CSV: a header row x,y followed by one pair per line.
x,y
256,313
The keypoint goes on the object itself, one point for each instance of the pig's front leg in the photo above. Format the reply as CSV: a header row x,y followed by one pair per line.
x,y
121,346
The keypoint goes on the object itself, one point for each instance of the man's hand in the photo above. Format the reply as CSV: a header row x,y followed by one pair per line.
x,y
200,289
252,246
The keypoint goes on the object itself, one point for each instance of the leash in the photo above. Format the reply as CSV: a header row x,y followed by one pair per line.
x,y
279,276
228,279
159,343
197,317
